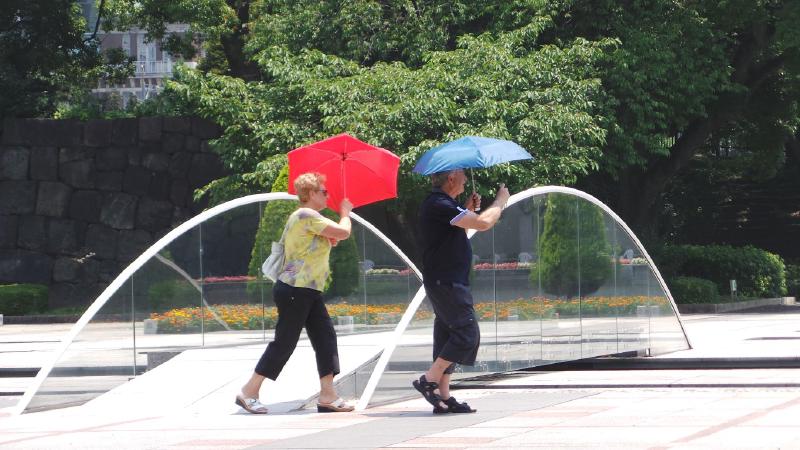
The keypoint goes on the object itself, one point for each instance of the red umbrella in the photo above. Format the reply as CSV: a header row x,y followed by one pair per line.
x,y
354,169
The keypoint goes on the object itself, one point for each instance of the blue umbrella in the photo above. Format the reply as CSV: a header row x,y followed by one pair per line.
x,y
469,152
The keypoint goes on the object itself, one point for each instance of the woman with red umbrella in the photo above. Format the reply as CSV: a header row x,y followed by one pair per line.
x,y
308,238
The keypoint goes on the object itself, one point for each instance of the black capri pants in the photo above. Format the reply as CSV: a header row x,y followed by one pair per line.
x,y
456,336
297,308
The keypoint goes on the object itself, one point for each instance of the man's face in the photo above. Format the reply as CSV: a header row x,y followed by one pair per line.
x,y
458,179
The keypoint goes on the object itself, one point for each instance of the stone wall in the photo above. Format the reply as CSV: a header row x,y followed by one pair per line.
x,y
80,200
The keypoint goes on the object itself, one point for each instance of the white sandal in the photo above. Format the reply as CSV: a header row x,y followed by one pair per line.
x,y
251,405
337,405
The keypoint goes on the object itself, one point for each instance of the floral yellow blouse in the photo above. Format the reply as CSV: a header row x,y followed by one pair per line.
x,y
307,252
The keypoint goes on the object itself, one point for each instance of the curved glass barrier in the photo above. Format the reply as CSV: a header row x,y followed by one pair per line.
x,y
560,277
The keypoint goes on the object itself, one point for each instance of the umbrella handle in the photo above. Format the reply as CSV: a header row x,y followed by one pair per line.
x,y
472,174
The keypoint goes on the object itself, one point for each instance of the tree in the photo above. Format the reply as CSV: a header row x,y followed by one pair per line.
x,y
574,254
688,79
45,58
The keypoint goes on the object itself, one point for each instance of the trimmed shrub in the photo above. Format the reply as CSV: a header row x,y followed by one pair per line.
x,y
343,259
169,294
559,257
693,290
23,299
793,280
757,272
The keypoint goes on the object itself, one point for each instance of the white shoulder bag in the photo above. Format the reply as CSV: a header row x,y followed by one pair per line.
x,y
274,263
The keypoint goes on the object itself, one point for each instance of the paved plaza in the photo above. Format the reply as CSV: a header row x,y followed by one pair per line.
x,y
680,406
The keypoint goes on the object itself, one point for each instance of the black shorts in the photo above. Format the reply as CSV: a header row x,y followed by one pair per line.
x,y
456,336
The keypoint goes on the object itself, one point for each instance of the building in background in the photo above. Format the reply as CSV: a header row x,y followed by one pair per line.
x,y
153,66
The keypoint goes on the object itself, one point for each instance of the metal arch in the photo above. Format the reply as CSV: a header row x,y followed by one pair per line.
x,y
153,251
386,354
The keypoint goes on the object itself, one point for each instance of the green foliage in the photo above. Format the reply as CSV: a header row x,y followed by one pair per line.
x,y
574,254
22,299
169,294
693,290
757,272
46,59
793,280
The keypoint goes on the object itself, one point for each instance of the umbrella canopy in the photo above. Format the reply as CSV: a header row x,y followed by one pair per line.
x,y
469,152
354,169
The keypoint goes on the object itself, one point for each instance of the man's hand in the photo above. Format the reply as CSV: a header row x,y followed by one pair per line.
x,y
473,202
502,195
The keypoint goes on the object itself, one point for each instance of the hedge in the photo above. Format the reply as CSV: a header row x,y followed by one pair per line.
x,y
693,290
757,272
22,299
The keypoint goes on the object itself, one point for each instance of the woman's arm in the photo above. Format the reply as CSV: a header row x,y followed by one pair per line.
x,y
341,230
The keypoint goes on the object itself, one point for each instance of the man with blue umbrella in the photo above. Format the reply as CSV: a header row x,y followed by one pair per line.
x,y
446,260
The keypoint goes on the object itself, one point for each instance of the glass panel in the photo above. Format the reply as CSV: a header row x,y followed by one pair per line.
x,y
666,333
632,291
99,359
598,311
559,274
236,296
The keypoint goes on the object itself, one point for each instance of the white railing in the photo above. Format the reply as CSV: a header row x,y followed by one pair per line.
x,y
153,67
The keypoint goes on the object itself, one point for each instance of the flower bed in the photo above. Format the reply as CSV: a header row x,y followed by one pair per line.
x,y
254,317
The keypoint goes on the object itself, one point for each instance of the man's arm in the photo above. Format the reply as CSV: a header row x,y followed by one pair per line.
x,y
489,217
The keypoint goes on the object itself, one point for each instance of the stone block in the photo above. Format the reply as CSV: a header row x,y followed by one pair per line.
x,y
21,266
205,167
49,132
179,193
124,131
119,211
191,144
172,142
72,294
73,154
65,269
32,232
97,133
178,124
44,163
159,186
131,244
109,269
134,156
85,206
18,197
180,164
150,128
78,174
64,236
11,132
102,241
204,129
137,180
109,181
158,162
112,158
153,215
8,231
14,163
53,199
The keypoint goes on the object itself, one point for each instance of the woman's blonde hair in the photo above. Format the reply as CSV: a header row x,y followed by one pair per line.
x,y
306,183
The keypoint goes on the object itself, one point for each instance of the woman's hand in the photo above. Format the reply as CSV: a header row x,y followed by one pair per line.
x,y
334,242
345,207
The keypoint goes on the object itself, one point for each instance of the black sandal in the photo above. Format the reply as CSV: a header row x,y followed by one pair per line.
x,y
453,406
426,388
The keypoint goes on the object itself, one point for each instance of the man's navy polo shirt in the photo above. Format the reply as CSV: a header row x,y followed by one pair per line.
x,y
447,253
